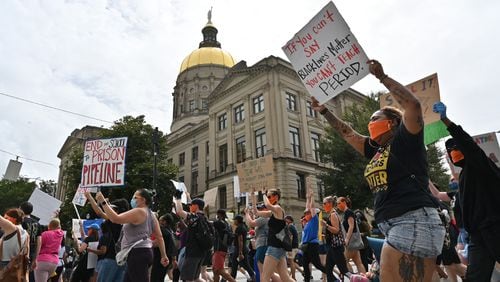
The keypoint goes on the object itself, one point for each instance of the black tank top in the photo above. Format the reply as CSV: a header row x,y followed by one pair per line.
x,y
275,226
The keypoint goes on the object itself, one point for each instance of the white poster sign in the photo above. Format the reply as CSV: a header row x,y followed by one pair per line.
x,y
236,186
181,187
326,55
104,162
79,198
92,257
210,197
45,206
489,143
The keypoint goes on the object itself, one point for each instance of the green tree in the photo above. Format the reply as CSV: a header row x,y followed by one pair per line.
x,y
346,178
48,186
15,192
437,171
139,165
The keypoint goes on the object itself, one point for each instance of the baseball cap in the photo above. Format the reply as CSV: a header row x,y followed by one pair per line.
x,y
199,202
95,226
222,213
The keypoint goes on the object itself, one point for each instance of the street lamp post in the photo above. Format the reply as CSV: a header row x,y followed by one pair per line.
x,y
155,153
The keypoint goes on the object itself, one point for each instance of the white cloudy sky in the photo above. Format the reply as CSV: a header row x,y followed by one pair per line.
x,y
107,59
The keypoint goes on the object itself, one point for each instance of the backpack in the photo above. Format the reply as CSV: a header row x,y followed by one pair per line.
x,y
17,267
285,237
227,237
204,233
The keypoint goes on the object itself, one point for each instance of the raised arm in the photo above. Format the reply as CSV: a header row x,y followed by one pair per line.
x,y
94,205
351,136
134,216
413,118
7,226
443,196
275,209
310,197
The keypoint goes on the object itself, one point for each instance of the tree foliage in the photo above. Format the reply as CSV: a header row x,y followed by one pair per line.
x,y
437,171
15,192
139,165
346,178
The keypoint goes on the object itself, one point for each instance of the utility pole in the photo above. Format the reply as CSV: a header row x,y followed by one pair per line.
x,y
155,154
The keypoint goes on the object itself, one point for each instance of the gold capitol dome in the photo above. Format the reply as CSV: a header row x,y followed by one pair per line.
x,y
209,51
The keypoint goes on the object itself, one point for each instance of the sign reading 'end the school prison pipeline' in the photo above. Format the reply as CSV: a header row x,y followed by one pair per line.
x,y
326,56
104,162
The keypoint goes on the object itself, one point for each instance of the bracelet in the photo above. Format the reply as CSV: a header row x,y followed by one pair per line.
x,y
323,111
383,77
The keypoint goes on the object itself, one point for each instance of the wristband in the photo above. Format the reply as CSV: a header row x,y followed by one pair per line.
x,y
383,77
323,111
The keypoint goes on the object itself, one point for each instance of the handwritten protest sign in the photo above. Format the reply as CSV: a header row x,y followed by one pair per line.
x,y
427,92
104,162
210,197
256,174
326,55
45,207
79,198
489,143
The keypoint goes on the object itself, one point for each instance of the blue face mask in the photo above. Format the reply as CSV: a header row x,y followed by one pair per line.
x,y
133,203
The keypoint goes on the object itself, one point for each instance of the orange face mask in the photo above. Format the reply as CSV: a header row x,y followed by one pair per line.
x,y
192,208
378,127
456,156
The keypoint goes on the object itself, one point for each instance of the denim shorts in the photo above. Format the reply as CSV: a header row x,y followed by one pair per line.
x,y
277,253
260,253
419,232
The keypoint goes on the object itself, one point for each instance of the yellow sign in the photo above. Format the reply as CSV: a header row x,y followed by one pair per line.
x,y
256,174
427,92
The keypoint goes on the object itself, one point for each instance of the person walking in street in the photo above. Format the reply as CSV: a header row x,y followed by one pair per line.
x,y
139,224
239,257
275,260
397,174
32,226
351,233
335,240
193,255
47,256
310,242
479,195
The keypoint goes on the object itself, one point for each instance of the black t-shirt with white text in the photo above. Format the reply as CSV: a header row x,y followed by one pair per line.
x,y
389,175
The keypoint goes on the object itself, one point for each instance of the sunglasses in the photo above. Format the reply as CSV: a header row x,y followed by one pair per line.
x,y
269,196
325,203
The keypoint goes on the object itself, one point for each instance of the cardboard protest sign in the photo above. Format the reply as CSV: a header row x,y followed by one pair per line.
x,y
104,162
256,174
45,207
326,55
210,197
427,92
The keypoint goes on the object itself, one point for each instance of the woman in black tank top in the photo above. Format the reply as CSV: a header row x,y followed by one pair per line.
x,y
275,260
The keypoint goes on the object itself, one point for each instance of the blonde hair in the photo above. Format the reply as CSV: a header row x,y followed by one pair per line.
x,y
54,224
